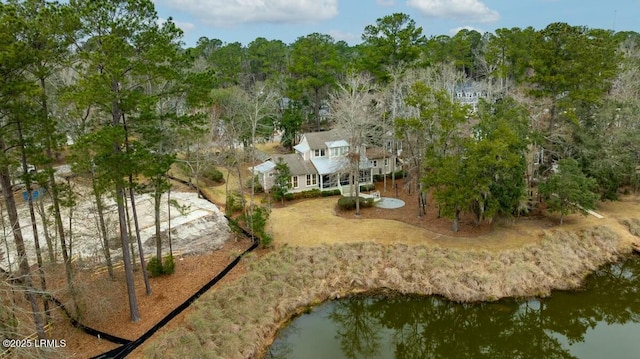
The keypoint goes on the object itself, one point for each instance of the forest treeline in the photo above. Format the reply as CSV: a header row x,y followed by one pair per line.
x,y
486,122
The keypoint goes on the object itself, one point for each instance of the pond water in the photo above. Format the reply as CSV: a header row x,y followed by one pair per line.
x,y
602,321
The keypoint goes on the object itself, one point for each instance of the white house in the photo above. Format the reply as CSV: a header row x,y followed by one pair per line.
x,y
320,162
469,94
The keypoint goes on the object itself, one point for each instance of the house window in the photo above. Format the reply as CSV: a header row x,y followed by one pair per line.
x,y
338,151
538,157
374,163
365,176
319,153
386,162
312,180
329,181
294,181
344,179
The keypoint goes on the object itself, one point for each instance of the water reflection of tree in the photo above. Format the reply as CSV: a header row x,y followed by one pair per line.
x,y
281,348
435,328
431,327
358,328
613,298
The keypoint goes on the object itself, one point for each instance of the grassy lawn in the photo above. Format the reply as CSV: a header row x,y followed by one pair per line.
x,y
314,222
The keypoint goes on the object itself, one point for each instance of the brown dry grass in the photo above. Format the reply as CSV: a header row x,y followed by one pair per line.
x,y
240,319
320,255
317,222
217,192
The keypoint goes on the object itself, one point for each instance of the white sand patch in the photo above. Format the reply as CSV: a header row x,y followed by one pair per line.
x,y
196,226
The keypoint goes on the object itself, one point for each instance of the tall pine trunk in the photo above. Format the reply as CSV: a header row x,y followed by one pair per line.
x,y
49,130
129,231
23,263
145,276
122,219
169,217
45,229
316,107
126,255
456,221
34,223
143,265
157,196
102,225
57,215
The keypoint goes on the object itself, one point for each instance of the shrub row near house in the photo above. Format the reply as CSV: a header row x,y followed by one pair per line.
x,y
329,193
349,203
312,193
367,187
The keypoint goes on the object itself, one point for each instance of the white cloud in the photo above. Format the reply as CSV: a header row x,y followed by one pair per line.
x,y
348,37
183,25
461,10
233,12
455,30
387,3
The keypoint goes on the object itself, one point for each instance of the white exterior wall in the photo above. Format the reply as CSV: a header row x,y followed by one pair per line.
x,y
380,168
302,184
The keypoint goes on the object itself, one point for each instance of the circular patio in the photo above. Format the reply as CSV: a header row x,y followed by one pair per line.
x,y
389,203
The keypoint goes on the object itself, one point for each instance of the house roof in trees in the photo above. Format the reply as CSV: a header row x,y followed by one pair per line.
x,y
265,167
302,147
339,143
318,140
373,153
297,165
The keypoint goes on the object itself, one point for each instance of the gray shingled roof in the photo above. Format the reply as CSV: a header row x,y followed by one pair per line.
x,y
317,140
297,165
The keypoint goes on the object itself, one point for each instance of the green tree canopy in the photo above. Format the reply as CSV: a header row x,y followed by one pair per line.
x,y
393,41
314,68
281,181
572,66
267,59
568,190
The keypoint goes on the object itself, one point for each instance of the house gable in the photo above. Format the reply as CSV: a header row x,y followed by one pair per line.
x,y
303,148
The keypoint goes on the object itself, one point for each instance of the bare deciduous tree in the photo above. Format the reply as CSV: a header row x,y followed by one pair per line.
x,y
354,110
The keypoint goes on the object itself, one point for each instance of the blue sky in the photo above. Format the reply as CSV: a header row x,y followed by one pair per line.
x,y
286,20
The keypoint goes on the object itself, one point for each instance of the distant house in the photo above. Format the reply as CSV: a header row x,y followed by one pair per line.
x,y
469,94
320,162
